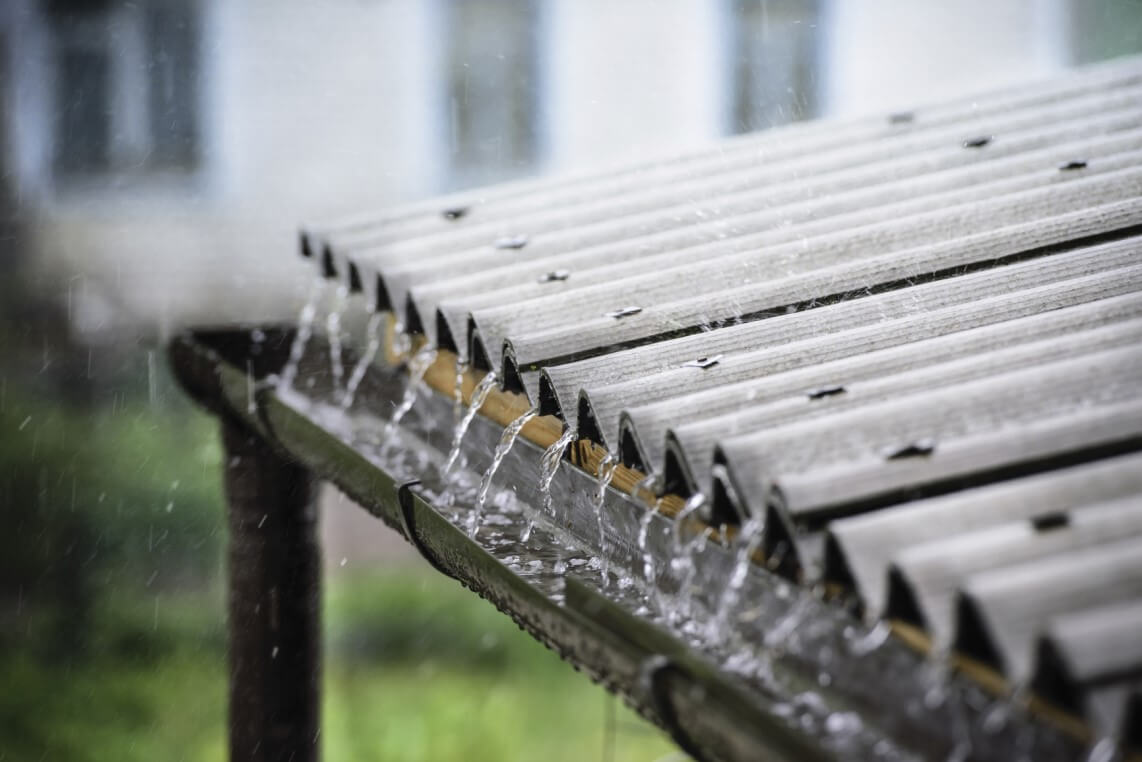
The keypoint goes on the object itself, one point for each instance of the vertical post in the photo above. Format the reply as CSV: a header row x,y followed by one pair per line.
x,y
274,577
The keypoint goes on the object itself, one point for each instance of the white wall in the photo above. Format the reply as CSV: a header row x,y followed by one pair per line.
x,y
881,55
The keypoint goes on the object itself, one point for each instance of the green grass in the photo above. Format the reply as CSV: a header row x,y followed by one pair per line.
x,y
417,669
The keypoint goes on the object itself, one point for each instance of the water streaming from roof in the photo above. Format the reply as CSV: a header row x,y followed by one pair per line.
x,y
418,365
548,467
458,391
507,439
749,541
333,334
604,475
483,389
373,345
301,337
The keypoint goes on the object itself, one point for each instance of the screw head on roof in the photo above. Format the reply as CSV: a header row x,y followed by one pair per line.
x,y
1045,522
511,242
1071,166
901,117
917,449
454,212
703,362
825,391
554,275
978,142
623,312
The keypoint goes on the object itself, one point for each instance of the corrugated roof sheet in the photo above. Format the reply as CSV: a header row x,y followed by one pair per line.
x,y
910,346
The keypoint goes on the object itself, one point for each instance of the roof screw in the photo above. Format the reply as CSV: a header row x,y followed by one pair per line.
x,y
555,275
623,312
454,213
979,142
901,117
703,362
511,242
825,391
1045,522
916,449
1071,166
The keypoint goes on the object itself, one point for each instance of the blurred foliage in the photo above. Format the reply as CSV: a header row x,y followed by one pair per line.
x,y
112,640
446,678
114,497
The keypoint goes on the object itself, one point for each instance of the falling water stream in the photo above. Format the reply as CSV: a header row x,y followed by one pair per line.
x,y
333,334
373,337
507,439
458,391
548,467
301,337
749,542
418,365
605,474
483,389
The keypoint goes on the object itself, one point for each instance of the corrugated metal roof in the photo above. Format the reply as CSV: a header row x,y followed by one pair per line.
x,y
910,346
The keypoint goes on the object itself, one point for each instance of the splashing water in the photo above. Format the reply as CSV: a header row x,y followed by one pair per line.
x,y
418,365
402,340
333,330
605,474
507,439
483,389
301,338
750,541
373,334
548,467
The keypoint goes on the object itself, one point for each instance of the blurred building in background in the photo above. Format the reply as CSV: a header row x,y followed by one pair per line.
x,y
161,154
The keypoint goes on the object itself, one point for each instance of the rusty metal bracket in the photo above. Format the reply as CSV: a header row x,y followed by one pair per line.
x,y
407,525
652,674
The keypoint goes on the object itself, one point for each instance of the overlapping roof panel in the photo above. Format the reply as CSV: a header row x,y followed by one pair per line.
x,y
910,344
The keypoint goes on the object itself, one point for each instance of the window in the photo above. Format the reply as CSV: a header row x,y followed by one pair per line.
x,y
125,89
773,49
491,95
